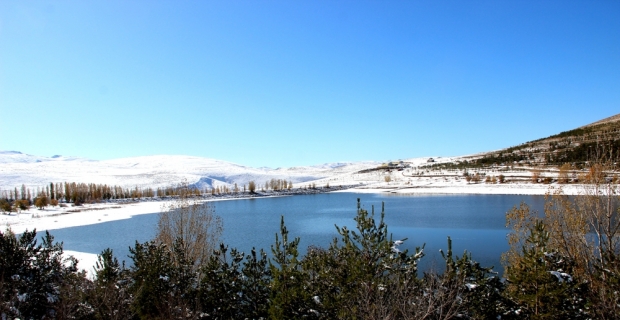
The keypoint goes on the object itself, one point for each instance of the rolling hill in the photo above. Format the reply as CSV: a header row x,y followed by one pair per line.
x,y
152,171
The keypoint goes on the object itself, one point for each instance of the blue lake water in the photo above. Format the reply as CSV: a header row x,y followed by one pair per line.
x,y
475,223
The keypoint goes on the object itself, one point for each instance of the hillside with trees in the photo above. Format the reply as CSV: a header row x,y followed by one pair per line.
x,y
578,146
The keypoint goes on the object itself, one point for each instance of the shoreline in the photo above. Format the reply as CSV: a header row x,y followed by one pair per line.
x,y
52,218
67,216
88,214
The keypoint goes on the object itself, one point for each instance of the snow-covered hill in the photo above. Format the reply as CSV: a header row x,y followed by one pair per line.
x,y
17,168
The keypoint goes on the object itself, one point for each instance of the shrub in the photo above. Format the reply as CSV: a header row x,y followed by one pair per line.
x,y
41,202
5,206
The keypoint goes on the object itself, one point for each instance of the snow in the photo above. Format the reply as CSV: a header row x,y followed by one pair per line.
x,y
471,286
562,276
56,217
86,261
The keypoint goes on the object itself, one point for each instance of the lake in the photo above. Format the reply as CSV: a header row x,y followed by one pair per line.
x,y
475,223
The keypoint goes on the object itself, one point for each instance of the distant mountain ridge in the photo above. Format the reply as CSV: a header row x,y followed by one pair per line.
x,y
152,171
19,157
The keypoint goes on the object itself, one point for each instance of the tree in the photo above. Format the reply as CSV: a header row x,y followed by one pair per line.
x,y
232,288
164,283
41,201
110,296
476,290
288,299
363,276
194,224
585,230
563,173
34,278
22,204
536,174
252,186
476,178
541,281
5,206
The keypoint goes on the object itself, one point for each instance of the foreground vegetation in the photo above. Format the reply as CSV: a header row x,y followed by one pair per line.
x,y
562,264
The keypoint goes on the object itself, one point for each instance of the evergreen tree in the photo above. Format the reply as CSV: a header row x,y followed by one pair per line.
x,y
110,296
540,283
163,281
479,288
289,299
33,276
220,288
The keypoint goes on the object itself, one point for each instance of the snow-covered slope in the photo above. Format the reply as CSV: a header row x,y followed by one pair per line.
x,y
18,157
17,168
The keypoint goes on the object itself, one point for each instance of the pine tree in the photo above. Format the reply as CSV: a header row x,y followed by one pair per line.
x,y
33,276
479,288
289,299
540,282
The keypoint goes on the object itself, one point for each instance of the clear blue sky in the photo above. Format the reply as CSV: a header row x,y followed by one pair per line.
x,y
288,83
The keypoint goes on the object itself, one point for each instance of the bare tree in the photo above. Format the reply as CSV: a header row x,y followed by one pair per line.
x,y
192,222
563,173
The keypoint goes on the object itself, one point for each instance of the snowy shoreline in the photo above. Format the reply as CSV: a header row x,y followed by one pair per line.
x,y
64,217
69,216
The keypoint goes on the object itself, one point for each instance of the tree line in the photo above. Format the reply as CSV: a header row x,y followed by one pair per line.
x,y
79,193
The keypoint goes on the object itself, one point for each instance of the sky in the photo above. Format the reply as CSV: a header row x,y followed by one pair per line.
x,y
294,83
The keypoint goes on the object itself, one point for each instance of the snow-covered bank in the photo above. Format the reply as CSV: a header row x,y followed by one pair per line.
x,y
58,217
72,216
481,188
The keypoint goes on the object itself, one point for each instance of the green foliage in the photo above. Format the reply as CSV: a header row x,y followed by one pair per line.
x,y
35,282
360,274
163,284
288,299
481,287
232,288
110,296
540,283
